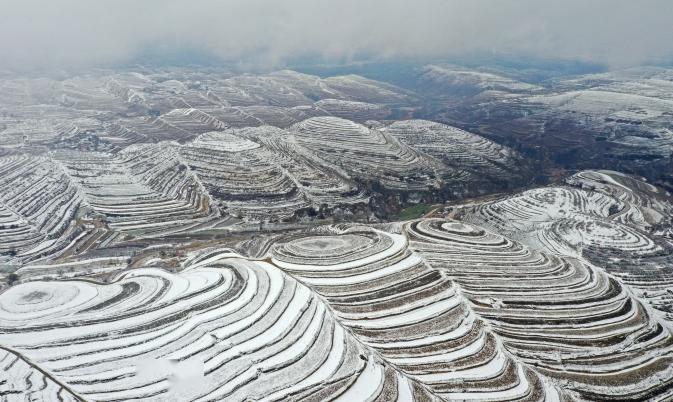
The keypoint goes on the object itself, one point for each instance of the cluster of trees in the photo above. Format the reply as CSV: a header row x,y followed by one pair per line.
x,y
12,278
11,252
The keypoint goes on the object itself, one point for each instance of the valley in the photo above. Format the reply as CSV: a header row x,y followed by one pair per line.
x,y
202,234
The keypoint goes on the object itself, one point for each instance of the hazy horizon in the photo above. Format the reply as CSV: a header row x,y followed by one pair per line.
x,y
257,33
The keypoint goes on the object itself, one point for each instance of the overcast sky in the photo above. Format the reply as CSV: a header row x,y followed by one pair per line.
x,y
57,33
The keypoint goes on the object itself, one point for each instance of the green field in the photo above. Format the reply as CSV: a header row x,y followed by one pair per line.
x,y
413,212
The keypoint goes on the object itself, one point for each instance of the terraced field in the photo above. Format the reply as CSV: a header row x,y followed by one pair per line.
x,y
234,329
162,151
140,185
567,319
96,159
411,313
614,221
469,158
203,235
427,309
365,152
37,204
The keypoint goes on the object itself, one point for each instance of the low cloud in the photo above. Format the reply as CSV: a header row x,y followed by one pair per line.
x,y
63,33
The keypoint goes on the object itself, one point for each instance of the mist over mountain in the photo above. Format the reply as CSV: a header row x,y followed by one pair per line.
x,y
75,33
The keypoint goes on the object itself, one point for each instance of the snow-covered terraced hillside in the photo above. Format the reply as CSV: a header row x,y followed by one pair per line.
x,y
605,103
231,330
23,380
197,234
631,110
143,184
606,218
143,187
243,176
365,152
569,320
645,206
431,309
470,157
411,313
357,111
318,181
179,104
142,150
191,121
38,201
472,81
362,89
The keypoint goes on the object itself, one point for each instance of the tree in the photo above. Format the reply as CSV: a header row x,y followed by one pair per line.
x,y
12,278
614,208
